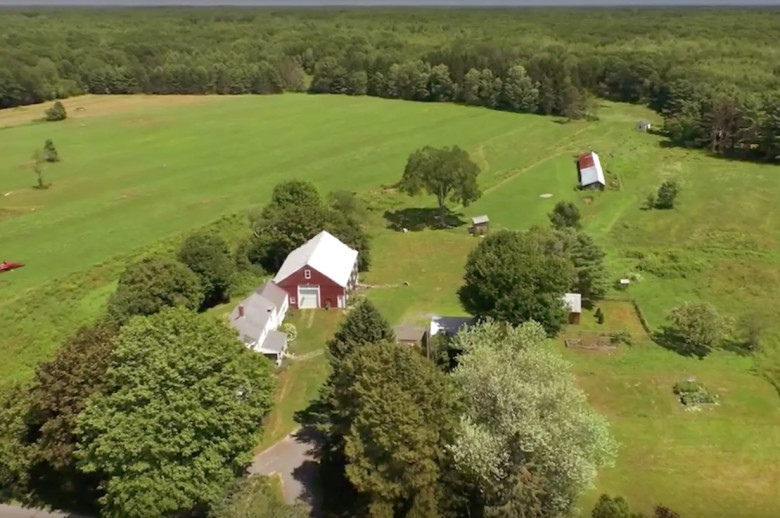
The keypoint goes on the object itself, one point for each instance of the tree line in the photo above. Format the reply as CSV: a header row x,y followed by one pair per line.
x,y
550,62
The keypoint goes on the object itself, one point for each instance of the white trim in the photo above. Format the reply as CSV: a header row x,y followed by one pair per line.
x,y
307,274
292,300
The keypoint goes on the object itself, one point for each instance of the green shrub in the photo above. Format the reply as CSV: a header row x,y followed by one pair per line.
x,y
692,393
667,193
620,337
599,316
56,112
290,330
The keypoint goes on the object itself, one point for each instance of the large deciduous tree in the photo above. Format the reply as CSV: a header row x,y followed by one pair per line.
x,y
513,277
181,410
58,394
295,193
152,284
699,326
296,214
520,92
447,173
528,438
208,255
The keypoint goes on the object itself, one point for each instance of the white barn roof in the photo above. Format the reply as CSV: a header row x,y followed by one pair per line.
x,y
324,253
573,302
478,220
590,170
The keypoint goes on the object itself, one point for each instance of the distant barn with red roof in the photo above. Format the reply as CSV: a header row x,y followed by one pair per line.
x,y
589,171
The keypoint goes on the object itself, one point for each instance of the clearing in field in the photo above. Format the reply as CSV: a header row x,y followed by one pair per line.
x,y
131,181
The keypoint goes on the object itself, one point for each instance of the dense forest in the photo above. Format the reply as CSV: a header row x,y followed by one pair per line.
x,y
714,75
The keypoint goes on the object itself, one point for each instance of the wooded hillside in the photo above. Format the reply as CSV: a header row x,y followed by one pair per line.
x,y
713,74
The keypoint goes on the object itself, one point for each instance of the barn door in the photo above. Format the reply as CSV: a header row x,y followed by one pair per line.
x,y
308,297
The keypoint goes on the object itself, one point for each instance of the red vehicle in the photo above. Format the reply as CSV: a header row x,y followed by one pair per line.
x,y
7,266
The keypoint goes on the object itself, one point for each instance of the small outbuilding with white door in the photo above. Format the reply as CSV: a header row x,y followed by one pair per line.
x,y
572,302
589,171
321,273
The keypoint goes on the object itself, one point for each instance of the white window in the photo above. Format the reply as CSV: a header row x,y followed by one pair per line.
x,y
292,300
307,274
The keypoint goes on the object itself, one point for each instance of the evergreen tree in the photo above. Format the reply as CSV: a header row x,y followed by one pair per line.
x,y
400,414
364,324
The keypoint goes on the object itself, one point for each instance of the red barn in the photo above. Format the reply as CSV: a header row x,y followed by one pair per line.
x,y
589,171
320,273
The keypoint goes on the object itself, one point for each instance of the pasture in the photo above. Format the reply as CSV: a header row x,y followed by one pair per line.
x,y
141,177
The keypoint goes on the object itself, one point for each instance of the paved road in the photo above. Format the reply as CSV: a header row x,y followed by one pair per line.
x,y
291,458
8,511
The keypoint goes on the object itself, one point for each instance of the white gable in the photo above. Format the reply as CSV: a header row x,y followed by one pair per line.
x,y
324,253
573,302
593,174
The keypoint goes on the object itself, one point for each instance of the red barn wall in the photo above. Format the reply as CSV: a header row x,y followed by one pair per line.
x,y
329,290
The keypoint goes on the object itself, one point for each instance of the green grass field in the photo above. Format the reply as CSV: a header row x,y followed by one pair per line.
x,y
141,178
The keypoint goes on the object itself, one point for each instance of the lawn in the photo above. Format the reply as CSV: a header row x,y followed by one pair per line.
x,y
300,377
139,179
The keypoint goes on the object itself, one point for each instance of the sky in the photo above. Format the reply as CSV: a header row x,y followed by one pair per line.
x,y
405,3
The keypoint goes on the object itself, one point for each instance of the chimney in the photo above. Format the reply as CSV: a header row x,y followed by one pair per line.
x,y
240,311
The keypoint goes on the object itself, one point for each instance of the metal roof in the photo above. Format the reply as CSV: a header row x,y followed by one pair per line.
x,y
273,293
275,343
573,302
257,313
324,253
590,171
477,220
449,325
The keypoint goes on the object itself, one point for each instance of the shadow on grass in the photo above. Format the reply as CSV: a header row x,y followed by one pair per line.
x,y
670,339
415,219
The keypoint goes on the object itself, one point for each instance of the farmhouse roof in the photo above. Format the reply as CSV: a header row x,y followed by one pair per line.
x,y
273,293
573,302
324,253
478,220
590,171
256,313
275,342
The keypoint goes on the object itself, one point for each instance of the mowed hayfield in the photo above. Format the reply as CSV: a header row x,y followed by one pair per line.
x,y
141,177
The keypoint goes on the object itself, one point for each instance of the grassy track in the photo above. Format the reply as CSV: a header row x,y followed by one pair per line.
x,y
139,179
